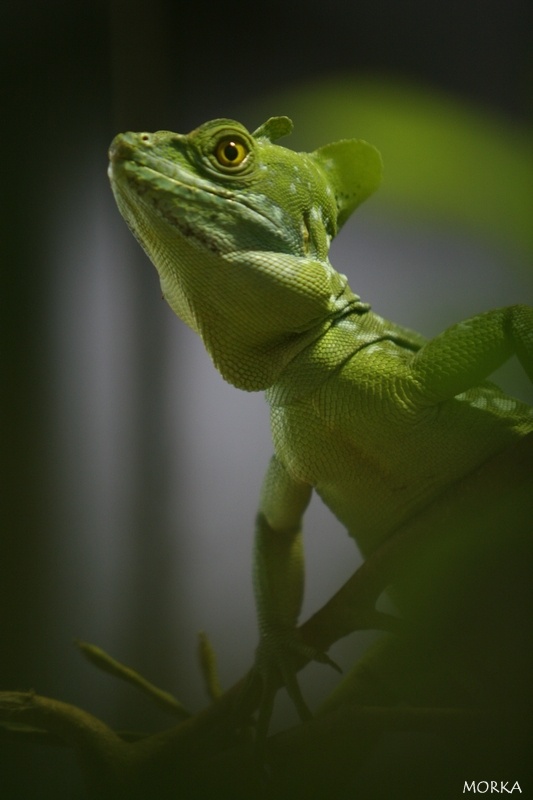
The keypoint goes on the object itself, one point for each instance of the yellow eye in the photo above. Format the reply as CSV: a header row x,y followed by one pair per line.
x,y
231,152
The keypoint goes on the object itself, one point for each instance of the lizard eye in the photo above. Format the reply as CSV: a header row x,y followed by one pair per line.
x,y
231,152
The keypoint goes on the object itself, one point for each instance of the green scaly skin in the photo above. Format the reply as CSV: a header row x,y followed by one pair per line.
x,y
379,421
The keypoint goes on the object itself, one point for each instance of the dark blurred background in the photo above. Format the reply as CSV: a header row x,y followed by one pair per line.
x,y
130,471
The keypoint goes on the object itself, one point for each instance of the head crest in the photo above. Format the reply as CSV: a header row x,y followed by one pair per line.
x,y
274,128
354,170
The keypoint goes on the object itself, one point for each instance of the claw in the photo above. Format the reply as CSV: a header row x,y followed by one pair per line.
x,y
323,658
266,708
295,693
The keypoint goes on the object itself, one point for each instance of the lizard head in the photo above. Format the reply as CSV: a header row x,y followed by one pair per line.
x,y
239,230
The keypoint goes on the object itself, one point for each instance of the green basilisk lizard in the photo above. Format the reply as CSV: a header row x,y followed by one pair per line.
x,y
377,420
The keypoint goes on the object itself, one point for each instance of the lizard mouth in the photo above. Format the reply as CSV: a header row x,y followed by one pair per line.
x,y
120,149
127,149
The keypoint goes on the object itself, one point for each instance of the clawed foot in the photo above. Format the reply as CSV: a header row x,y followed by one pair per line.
x,y
279,656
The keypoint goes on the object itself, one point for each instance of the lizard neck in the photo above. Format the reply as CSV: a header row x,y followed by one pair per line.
x,y
341,337
254,342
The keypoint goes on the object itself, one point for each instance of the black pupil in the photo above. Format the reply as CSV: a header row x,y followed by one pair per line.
x,y
231,151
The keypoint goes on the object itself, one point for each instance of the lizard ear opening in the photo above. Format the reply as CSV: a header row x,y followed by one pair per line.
x,y
274,128
354,169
